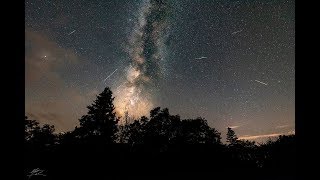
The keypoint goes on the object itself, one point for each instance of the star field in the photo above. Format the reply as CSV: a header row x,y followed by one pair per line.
x,y
231,62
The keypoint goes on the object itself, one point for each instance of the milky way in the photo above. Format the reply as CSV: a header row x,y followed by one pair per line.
x,y
146,48
195,57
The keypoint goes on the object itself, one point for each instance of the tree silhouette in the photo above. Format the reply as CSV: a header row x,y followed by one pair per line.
x,y
39,136
231,137
156,130
278,153
136,131
165,129
186,143
193,131
100,123
31,126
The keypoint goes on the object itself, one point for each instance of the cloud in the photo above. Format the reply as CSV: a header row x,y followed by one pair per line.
x,y
47,117
282,126
43,57
233,127
291,132
49,98
248,137
61,111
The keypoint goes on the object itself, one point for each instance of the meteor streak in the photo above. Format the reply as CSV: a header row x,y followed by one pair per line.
x,y
72,32
237,32
110,75
203,57
261,82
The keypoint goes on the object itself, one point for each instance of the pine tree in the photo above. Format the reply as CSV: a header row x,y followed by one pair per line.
x,y
231,137
101,121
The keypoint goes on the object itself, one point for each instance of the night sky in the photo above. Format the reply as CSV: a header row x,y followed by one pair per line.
x,y
230,62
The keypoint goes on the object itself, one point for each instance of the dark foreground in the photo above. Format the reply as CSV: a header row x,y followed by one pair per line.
x,y
123,161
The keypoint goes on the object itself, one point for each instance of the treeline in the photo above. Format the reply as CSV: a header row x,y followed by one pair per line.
x,y
162,143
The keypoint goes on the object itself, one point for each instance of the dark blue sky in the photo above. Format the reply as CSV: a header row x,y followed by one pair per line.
x,y
245,78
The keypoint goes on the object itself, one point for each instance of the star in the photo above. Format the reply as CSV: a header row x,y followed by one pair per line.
x,y
238,61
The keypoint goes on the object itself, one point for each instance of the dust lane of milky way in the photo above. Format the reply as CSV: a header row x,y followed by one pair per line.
x,y
146,50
